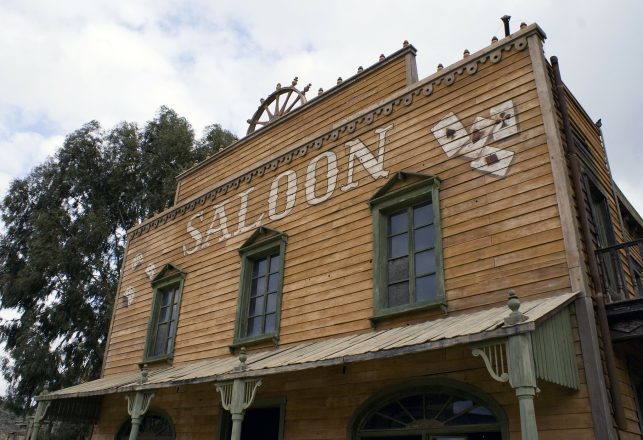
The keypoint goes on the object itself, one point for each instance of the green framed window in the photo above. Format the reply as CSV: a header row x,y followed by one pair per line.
x,y
429,409
260,287
407,244
164,317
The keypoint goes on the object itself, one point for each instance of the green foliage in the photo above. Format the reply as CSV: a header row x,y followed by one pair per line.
x,y
64,240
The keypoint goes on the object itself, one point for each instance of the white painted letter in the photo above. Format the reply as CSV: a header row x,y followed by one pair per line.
x,y
291,191
331,178
375,167
194,233
243,210
219,213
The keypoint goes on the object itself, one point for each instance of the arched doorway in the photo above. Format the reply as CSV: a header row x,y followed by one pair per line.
x,y
154,426
430,410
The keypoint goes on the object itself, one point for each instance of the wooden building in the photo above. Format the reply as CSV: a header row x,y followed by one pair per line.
x,y
395,258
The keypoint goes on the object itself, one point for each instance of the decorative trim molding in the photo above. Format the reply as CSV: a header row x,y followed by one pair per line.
x,y
444,78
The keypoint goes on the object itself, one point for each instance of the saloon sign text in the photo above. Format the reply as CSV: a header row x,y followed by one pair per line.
x,y
220,225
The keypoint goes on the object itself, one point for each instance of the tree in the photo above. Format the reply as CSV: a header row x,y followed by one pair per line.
x,y
64,240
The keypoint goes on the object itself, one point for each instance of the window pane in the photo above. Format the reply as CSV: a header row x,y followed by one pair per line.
x,y
271,306
256,306
254,326
275,263
273,282
398,270
259,267
398,222
270,323
398,294
164,314
423,215
424,238
398,245
258,286
166,297
425,288
175,295
161,339
171,334
425,262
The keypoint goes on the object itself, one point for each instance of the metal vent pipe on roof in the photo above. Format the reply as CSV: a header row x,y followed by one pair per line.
x,y
505,19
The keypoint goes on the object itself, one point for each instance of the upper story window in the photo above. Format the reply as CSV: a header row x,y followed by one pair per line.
x,y
262,271
407,265
166,303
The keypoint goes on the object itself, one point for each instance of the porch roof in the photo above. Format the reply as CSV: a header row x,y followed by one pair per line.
x,y
439,333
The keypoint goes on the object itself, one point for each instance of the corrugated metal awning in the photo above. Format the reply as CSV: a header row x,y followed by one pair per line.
x,y
439,333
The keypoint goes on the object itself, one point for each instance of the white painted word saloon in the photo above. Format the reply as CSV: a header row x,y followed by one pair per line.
x,y
394,258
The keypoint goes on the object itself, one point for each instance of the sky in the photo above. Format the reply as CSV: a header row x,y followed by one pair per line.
x,y
68,62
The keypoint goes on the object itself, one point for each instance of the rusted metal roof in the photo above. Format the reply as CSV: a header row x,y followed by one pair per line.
x,y
439,333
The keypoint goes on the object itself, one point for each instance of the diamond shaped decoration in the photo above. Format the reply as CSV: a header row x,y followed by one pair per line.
x,y
493,161
451,134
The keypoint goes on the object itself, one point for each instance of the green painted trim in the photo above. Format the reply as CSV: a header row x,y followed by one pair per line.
x,y
554,352
438,384
383,195
382,204
252,249
393,312
161,276
158,284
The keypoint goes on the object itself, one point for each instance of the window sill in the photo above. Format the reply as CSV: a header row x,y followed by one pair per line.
x,y
255,340
158,360
385,314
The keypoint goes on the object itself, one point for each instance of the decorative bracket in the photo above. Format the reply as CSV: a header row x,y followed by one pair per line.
x,y
238,395
138,403
495,359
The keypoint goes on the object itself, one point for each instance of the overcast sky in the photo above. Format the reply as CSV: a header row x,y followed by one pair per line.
x,y
67,62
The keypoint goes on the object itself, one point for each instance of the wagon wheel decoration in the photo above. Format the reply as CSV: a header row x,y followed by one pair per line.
x,y
280,102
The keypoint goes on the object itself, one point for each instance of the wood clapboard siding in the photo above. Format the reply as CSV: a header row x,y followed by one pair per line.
x,y
498,233
368,89
599,168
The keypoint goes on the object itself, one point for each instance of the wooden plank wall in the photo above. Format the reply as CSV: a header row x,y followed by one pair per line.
x,y
321,402
498,233
598,165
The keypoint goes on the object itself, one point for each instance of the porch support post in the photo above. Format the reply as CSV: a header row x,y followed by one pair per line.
x,y
137,405
41,412
237,396
522,377
237,409
522,372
